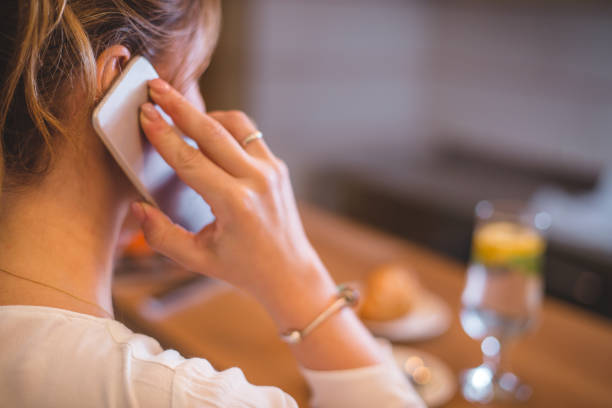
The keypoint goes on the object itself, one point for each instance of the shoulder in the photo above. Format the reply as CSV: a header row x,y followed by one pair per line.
x,y
102,356
80,355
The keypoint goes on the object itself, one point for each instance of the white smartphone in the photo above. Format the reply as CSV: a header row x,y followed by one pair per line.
x,y
115,120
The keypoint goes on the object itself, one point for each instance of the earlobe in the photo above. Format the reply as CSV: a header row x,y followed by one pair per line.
x,y
109,65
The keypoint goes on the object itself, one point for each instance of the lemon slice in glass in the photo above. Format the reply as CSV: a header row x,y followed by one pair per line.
x,y
506,244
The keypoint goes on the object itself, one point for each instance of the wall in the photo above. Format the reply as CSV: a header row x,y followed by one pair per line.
x,y
332,79
527,81
341,81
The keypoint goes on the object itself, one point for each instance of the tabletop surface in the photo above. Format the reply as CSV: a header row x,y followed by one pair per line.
x,y
567,360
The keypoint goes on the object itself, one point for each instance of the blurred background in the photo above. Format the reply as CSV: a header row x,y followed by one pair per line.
x,y
405,114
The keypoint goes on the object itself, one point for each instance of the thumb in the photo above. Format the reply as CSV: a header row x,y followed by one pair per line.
x,y
170,239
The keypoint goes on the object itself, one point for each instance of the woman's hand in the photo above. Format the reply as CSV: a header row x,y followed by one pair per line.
x,y
257,242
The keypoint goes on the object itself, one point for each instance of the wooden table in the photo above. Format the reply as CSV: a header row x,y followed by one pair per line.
x,y
568,360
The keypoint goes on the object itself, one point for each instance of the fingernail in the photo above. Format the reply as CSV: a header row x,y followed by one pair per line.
x,y
138,211
149,111
159,86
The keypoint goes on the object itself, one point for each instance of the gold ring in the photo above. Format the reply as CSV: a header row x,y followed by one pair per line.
x,y
253,136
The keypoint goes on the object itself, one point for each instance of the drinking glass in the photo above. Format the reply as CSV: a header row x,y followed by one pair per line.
x,y
503,293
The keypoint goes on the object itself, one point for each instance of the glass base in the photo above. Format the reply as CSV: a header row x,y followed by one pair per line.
x,y
482,385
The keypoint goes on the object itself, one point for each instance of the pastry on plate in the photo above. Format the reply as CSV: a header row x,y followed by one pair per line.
x,y
389,293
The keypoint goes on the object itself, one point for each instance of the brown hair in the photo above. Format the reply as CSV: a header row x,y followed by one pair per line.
x,y
48,47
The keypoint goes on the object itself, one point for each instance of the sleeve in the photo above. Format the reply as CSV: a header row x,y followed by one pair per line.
x,y
197,384
382,385
164,378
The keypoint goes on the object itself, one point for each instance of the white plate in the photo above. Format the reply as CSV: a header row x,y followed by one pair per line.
x,y
429,317
443,384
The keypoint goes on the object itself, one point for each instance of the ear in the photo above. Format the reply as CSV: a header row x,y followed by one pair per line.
x,y
109,65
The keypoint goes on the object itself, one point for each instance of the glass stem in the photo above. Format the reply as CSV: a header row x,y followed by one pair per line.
x,y
493,354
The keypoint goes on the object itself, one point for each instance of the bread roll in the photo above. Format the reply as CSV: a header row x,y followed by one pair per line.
x,y
389,293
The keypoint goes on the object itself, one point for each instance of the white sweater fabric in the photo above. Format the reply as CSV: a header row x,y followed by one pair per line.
x,y
57,358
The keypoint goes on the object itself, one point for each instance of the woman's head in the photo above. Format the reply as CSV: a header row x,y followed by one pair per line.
x,y
52,50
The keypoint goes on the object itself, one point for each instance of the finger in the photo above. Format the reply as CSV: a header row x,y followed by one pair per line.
x,y
211,137
195,169
241,126
170,239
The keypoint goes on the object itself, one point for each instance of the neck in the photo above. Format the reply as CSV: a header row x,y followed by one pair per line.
x,y
62,235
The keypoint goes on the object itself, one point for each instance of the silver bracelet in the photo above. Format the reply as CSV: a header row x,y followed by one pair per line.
x,y
347,296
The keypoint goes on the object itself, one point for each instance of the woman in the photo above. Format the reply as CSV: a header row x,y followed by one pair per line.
x,y
64,201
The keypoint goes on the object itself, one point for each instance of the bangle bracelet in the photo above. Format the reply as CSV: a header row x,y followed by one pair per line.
x,y
347,296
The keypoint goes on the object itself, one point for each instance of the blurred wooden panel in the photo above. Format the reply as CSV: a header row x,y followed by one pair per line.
x,y
224,84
